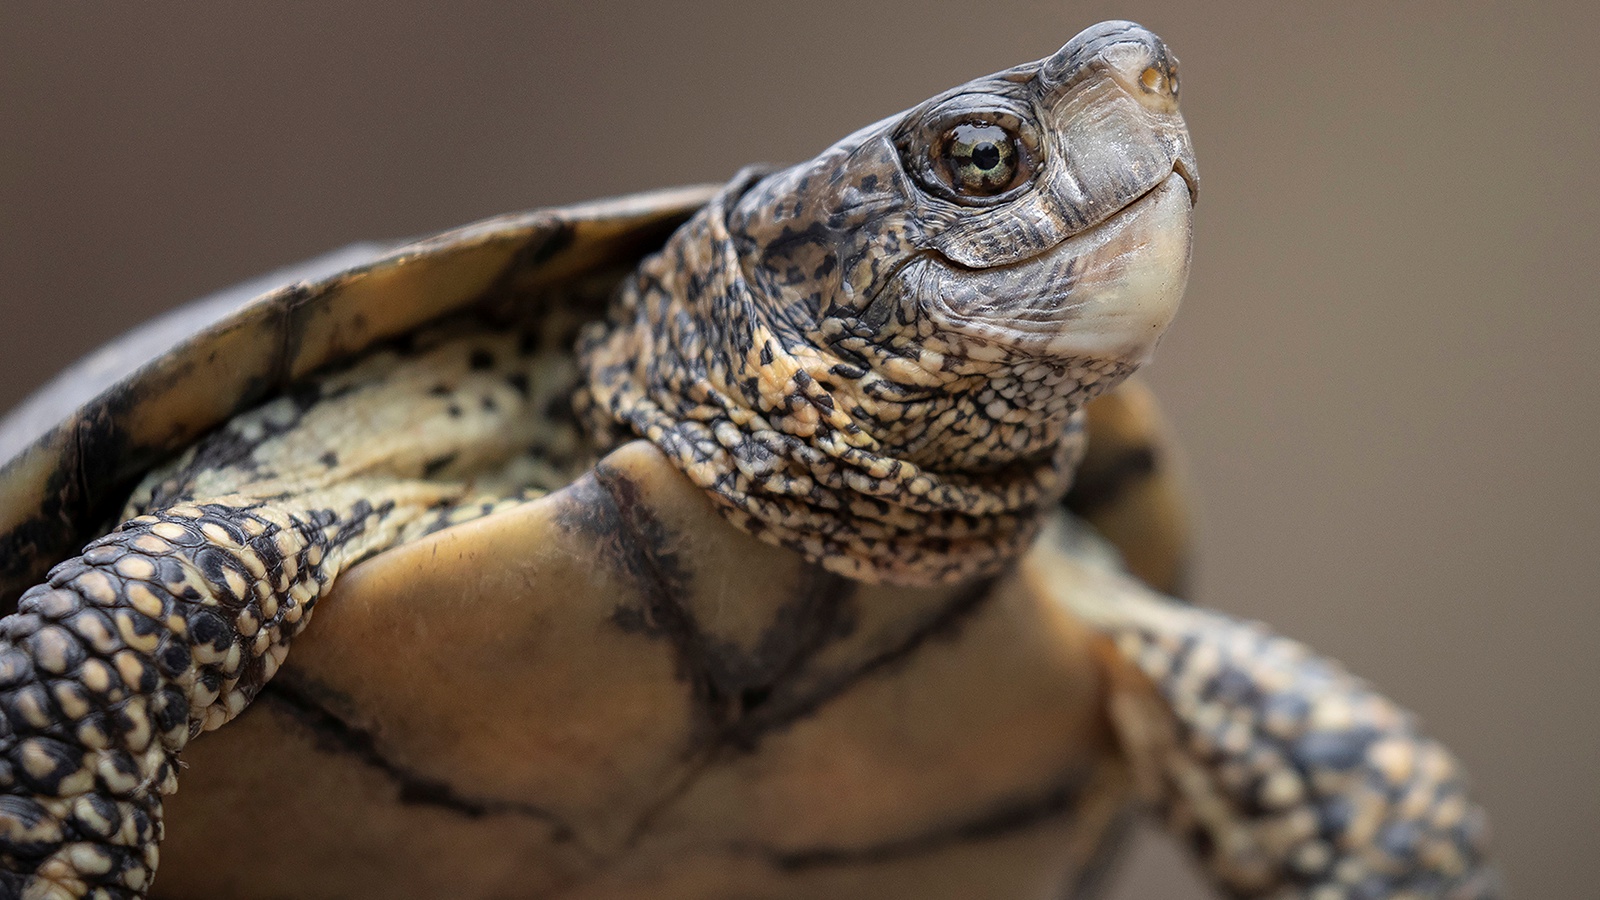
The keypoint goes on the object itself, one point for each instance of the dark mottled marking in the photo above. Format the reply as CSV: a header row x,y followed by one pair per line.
x,y
606,505
1098,487
1315,773
1333,750
37,543
739,694
434,466
790,705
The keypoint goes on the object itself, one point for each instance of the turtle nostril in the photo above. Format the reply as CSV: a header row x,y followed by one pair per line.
x,y
1160,80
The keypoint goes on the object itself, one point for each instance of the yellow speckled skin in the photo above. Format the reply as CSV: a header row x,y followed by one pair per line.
x,y
831,630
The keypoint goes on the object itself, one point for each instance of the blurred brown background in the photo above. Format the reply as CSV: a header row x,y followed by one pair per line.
x,y
1384,374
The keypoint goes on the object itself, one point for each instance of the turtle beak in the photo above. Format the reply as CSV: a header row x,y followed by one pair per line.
x,y
1139,62
1110,96
1105,293
1184,166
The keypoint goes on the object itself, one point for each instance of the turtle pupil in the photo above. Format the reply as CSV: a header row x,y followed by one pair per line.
x,y
980,159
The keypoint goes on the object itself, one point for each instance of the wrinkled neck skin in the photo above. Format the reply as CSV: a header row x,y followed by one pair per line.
x,y
889,380
782,425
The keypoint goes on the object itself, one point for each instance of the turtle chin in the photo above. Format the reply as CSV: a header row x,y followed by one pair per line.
x,y
1106,293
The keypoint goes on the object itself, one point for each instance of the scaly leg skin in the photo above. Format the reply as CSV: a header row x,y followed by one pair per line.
x,y
171,624
1287,776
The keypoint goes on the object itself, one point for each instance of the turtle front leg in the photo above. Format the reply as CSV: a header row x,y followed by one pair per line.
x,y
162,629
171,624
1285,774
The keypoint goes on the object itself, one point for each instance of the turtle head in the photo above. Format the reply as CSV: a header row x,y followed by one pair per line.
x,y
878,356
1033,221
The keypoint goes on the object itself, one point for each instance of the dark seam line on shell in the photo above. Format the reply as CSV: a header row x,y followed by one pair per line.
x,y
22,562
703,760
821,590
27,551
334,734
945,623
671,619
746,739
80,474
822,596
680,629
503,289
291,331
678,626
1006,819
1097,488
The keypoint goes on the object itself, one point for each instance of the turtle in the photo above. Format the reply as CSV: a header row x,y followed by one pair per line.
x,y
803,536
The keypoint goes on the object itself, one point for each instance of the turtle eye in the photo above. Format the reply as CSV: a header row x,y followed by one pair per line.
x,y
980,159
971,154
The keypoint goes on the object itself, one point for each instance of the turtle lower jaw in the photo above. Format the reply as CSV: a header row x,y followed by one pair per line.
x,y
1106,293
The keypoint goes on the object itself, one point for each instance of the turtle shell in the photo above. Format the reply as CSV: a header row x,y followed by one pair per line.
x,y
609,691
72,451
